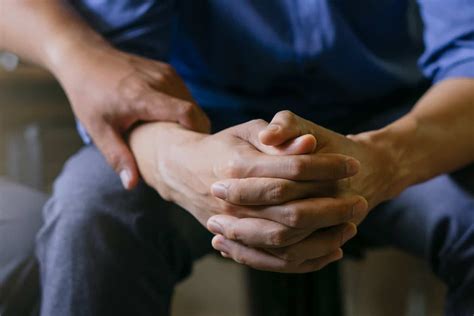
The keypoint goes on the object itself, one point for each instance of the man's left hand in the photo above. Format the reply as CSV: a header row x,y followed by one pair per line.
x,y
321,246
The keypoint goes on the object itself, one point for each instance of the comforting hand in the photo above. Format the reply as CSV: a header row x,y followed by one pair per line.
x,y
110,91
241,238
182,165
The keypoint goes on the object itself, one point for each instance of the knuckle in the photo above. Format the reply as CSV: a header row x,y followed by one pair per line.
x,y
186,109
145,106
286,115
257,122
293,217
296,167
277,237
133,88
167,69
277,192
233,168
240,258
289,255
159,77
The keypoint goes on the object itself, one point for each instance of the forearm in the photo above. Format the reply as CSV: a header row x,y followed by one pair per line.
x,y
435,137
44,31
149,141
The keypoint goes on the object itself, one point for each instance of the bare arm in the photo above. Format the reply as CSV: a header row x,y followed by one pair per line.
x,y
436,137
43,31
109,90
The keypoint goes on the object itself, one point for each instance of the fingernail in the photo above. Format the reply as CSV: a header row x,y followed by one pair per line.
x,y
219,190
352,166
225,254
359,209
349,232
273,128
125,177
215,227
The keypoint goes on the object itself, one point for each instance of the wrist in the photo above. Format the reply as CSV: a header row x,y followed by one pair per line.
x,y
156,147
393,147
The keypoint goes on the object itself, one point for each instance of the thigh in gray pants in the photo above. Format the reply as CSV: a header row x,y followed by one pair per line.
x,y
20,219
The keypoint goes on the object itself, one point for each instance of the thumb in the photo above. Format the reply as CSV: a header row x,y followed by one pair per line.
x,y
305,144
286,126
251,131
118,156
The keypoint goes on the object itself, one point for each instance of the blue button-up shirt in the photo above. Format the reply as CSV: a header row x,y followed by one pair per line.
x,y
312,56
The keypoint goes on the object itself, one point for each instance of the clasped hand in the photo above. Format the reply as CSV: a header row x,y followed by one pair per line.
x,y
281,197
300,231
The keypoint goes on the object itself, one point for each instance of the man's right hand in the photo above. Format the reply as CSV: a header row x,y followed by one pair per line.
x,y
110,91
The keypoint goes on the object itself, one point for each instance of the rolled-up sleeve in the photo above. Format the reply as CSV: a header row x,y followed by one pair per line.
x,y
448,38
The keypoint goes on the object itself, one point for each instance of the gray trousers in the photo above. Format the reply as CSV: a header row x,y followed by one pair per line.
x,y
104,251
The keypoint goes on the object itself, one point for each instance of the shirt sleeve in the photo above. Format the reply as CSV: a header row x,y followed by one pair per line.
x,y
448,38
140,27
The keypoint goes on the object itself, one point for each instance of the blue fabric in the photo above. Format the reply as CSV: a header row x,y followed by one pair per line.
x,y
310,56
315,57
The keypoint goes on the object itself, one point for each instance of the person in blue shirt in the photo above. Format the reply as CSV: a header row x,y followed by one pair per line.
x,y
383,93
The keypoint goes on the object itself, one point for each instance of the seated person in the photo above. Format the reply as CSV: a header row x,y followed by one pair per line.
x,y
281,196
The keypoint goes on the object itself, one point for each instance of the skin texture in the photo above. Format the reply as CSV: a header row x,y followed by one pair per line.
x,y
109,91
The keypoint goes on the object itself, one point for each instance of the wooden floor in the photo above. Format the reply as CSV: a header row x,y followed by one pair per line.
x,y
386,283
